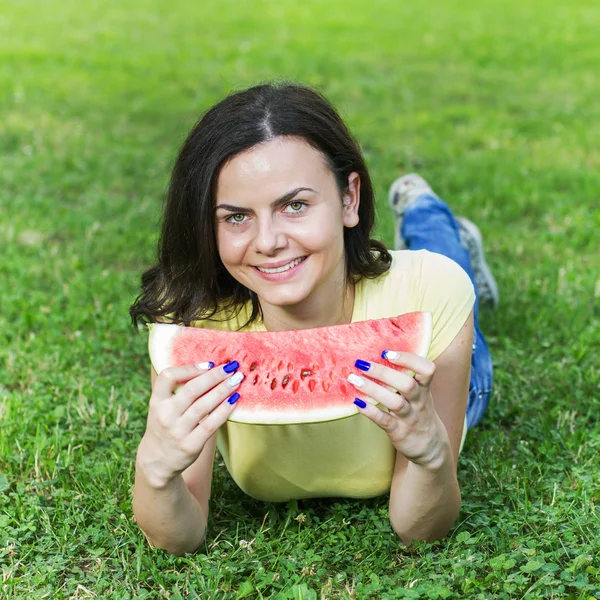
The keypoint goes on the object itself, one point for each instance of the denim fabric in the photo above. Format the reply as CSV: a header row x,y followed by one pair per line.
x,y
430,225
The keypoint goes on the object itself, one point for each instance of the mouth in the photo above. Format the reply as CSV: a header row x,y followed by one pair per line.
x,y
282,268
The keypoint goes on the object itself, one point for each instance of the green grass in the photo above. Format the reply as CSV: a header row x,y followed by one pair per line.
x,y
496,103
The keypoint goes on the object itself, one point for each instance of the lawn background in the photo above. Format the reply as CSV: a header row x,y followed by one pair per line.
x,y
495,103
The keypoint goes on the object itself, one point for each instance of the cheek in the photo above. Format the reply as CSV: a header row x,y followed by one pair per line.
x,y
324,232
231,246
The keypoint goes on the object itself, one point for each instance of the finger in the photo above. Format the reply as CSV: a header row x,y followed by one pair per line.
x,y
396,403
195,388
208,402
213,421
169,379
397,380
423,368
388,422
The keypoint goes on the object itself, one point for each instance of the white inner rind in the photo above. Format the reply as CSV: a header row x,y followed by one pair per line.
x,y
427,321
287,417
160,342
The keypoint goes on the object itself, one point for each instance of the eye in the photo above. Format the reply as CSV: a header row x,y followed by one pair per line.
x,y
295,207
236,218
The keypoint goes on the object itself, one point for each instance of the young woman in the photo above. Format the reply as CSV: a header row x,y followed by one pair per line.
x,y
267,227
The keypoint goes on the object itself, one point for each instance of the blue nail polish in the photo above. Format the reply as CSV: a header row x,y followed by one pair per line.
x,y
234,365
233,398
211,364
384,354
363,365
360,403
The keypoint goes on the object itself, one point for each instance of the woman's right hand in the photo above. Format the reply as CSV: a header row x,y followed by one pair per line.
x,y
180,424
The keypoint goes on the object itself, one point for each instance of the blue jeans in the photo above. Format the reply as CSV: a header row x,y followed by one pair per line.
x,y
430,225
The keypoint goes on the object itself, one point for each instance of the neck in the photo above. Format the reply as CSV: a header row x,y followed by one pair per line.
x,y
325,307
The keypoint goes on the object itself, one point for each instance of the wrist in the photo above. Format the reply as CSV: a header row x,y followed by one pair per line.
x,y
439,454
150,468
439,457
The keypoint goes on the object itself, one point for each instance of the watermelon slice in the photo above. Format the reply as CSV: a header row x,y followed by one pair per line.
x,y
292,376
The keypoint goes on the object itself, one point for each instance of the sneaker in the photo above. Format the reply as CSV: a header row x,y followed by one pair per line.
x,y
403,191
470,238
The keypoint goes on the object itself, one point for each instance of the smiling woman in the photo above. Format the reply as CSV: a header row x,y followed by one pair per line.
x,y
267,227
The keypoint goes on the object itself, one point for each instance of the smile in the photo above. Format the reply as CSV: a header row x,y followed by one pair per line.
x,y
283,268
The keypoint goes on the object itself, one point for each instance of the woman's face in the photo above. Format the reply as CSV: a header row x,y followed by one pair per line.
x,y
280,221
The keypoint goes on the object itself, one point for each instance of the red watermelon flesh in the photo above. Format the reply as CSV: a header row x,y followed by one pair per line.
x,y
292,376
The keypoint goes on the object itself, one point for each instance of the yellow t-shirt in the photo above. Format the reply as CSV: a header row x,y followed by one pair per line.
x,y
349,457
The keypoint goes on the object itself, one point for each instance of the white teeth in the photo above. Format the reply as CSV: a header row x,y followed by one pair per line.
x,y
282,269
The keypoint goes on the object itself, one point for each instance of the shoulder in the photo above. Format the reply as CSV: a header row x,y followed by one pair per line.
x,y
423,264
447,292
421,280
417,271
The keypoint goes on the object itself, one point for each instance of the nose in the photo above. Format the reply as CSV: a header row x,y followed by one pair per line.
x,y
269,236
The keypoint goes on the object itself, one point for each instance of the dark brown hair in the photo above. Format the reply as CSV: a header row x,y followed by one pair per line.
x,y
189,281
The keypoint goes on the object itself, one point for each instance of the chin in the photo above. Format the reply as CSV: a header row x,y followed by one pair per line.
x,y
283,299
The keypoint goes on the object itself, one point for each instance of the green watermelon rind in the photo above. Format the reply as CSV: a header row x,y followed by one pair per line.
x,y
160,343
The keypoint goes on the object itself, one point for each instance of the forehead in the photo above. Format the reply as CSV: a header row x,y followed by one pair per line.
x,y
272,168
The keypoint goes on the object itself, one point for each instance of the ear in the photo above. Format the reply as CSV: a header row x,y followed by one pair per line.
x,y
351,201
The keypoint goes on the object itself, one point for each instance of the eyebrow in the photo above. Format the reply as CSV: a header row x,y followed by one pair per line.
x,y
285,198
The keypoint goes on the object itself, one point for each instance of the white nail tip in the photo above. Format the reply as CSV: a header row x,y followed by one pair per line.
x,y
235,379
204,366
355,380
390,354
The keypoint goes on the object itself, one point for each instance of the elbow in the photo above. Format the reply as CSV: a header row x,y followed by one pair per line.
x,y
175,547
427,530
407,537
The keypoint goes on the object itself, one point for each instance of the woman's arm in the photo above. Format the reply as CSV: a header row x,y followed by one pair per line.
x,y
170,499
424,422
174,516
425,498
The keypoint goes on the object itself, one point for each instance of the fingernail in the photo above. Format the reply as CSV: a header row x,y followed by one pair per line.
x,y
356,380
360,403
233,398
389,354
363,365
205,366
235,379
232,366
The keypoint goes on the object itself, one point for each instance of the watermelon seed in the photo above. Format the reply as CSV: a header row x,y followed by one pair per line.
x,y
295,386
273,383
326,385
305,373
253,366
312,384
255,379
285,381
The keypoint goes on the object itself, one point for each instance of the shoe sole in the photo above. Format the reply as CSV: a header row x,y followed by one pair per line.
x,y
398,208
395,189
478,260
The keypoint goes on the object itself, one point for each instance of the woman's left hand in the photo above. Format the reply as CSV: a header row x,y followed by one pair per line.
x,y
412,423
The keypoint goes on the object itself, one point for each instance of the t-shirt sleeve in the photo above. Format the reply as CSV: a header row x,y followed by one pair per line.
x,y
446,291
